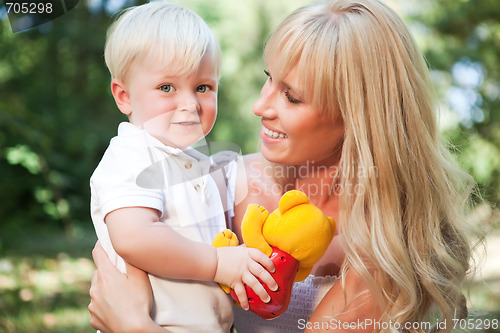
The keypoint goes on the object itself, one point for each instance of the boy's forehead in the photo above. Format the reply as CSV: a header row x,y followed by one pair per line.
x,y
173,65
159,61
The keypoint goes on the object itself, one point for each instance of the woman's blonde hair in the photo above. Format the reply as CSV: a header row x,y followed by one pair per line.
x,y
174,33
357,57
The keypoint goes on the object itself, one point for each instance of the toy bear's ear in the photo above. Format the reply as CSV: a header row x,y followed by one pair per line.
x,y
291,199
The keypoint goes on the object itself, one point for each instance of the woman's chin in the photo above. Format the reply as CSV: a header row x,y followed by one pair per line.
x,y
274,156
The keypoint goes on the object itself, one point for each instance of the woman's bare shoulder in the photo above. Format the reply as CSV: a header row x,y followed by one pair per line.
x,y
256,169
255,163
259,176
255,185
348,302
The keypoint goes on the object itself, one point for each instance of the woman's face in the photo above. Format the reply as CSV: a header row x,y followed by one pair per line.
x,y
293,132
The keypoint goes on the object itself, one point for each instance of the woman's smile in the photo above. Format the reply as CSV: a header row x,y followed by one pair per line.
x,y
274,134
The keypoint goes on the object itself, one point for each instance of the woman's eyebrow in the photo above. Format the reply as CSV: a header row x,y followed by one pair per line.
x,y
295,89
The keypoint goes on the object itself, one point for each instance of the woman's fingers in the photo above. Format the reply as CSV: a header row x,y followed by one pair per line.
x,y
93,307
101,259
118,301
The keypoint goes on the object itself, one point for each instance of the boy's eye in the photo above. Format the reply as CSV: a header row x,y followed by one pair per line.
x,y
203,88
166,88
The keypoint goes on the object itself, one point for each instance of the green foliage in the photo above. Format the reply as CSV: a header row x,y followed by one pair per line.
x,y
462,45
44,285
57,116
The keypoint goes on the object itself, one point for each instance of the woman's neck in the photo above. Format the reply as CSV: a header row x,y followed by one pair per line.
x,y
318,182
317,179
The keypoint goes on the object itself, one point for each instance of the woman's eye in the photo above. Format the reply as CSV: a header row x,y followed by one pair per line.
x,y
166,88
291,99
203,88
268,75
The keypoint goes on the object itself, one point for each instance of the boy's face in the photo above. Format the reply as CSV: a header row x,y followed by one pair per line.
x,y
177,110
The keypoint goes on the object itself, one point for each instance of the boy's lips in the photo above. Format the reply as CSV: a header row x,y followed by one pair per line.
x,y
187,123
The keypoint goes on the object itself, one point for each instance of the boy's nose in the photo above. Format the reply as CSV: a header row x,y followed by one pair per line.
x,y
193,107
189,102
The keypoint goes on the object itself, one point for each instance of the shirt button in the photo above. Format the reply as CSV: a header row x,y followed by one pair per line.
x,y
197,187
188,165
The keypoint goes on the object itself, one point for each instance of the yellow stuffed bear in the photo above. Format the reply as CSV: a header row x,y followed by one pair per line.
x,y
297,227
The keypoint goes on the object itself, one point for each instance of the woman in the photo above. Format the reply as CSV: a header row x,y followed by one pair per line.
x,y
348,116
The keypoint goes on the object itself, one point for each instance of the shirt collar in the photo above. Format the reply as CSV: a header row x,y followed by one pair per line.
x,y
189,154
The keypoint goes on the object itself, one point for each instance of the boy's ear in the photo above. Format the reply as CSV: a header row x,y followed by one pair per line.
x,y
121,96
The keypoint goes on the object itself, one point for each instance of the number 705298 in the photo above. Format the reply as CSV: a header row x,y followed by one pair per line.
x,y
28,7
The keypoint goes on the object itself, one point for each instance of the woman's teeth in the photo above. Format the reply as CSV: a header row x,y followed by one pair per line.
x,y
274,134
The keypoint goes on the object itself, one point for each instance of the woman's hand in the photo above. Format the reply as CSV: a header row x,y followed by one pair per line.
x,y
119,302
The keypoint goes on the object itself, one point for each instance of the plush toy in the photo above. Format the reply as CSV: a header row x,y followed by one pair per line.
x,y
295,236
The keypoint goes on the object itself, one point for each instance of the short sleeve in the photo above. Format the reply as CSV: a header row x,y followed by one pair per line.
x,y
114,182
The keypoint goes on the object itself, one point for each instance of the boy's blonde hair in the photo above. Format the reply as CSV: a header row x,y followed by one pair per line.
x,y
174,33
408,224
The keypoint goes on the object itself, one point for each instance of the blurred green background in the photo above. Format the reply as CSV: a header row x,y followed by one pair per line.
x,y
57,116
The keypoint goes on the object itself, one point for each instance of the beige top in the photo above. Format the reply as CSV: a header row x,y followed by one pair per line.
x,y
306,296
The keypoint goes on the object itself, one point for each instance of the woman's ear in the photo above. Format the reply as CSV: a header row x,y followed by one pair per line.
x,y
121,96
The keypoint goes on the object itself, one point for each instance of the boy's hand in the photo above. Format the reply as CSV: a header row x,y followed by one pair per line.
x,y
238,266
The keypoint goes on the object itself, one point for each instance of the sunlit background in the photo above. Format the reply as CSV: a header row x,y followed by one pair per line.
x,y
57,116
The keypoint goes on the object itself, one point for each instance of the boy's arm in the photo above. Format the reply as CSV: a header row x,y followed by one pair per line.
x,y
141,240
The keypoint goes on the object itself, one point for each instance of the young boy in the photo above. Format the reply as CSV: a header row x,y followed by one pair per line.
x,y
153,202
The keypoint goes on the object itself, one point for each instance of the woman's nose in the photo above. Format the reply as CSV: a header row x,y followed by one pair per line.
x,y
263,107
